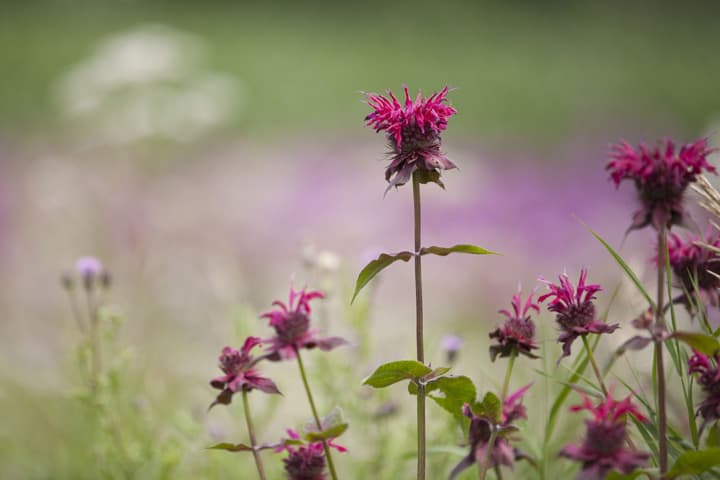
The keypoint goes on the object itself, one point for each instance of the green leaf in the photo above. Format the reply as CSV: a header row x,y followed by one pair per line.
x,y
624,266
706,344
461,248
694,462
376,266
438,372
332,426
232,447
713,437
394,372
450,392
615,475
490,407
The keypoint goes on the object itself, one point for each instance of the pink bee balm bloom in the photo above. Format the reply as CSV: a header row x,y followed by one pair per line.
x,y
413,130
661,176
575,309
693,263
305,462
240,374
517,334
708,376
604,447
291,322
479,436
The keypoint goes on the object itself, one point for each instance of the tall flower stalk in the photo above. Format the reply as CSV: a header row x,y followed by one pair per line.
x,y
251,434
419,340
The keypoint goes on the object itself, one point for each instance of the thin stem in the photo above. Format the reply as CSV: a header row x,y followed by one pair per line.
x,y
594,364
660,366
493,435
251,433
491,444
94,337
328,456
508,372
498,472
419,328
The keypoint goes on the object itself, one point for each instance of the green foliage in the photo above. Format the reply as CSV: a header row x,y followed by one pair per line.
x,y
393,372
490,407
461,248
376,266
450,392
706,344
332,426
694,462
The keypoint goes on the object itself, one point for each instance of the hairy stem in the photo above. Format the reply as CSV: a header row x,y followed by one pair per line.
x,y
660,327
251,433
328,456
594,364
419,329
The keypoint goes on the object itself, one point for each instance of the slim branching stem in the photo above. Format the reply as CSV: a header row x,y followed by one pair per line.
x,y
419,328
328,455
594,364
660,327
94,339
251,433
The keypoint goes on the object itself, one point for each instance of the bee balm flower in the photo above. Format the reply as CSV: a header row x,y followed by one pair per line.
x,y
517,334
413,129
708,376
694,263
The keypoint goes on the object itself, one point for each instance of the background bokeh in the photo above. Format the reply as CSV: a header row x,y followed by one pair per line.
x,y
211,153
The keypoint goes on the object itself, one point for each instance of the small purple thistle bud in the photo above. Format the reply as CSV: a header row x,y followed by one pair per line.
x,y
89,268
451,345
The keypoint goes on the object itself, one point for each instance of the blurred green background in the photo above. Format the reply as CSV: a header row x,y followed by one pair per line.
x,y
209,153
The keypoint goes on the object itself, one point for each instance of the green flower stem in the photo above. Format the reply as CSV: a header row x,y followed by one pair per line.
x,y
251,433
660,366
594,364
491,444
328,455
508,372
419,328
94,339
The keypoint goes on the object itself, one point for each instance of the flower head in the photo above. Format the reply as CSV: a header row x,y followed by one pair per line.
x,y
413,130
575,309
693,263
305,461
239,373
708,376
517,334
451,345
480,430
661,175
291,322
603,448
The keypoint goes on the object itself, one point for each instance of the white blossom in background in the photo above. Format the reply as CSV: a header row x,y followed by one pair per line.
x,y
148,82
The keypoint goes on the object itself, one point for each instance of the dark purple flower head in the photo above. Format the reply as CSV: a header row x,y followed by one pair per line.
x,y
305,461
517,334
292,327
708,376
479,435
693,263
604,447
240,374
413,130
575,309
661,175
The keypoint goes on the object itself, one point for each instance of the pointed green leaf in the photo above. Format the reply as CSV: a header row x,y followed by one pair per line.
x,y
232,447
695,462
376,266
438,372
462,248
713,437
706,344
394,372
490,407
450,392
332,426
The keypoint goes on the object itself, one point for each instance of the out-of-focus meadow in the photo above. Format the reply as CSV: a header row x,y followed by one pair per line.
x,y
210,153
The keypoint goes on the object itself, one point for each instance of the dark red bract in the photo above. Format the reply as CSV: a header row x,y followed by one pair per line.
x,y
517,334
707,373
693,265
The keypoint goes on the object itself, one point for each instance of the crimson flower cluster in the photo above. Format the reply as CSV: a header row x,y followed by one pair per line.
x,y
708,376
661,175
413,130
240,373
480,430
305,462
693,263
575,309
604,447
517,334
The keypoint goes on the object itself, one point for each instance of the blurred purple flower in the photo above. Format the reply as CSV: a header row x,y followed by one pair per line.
x,y
413,130
480,430
604,447
693,263
517,334
305,462
661,176
239,373
451,345
292,327
88,267
575,309
708,376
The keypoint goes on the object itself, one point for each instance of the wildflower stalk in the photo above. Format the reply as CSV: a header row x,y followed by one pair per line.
x,y
660,327
251,433
419,327
483,468
328,456
94,338
594,364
